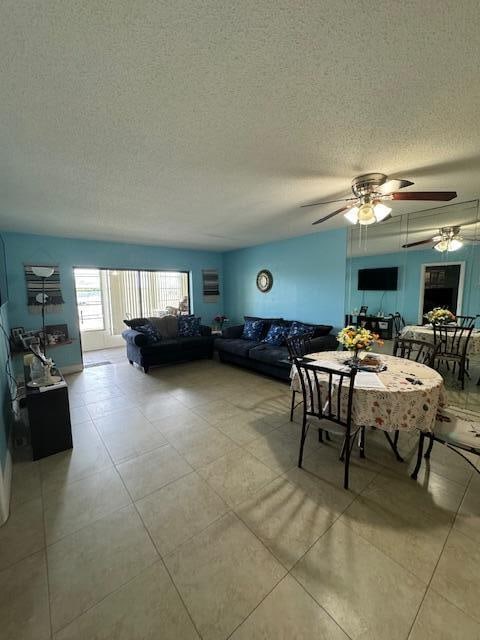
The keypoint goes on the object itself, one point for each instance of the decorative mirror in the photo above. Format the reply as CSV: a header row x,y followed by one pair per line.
x,y
264,280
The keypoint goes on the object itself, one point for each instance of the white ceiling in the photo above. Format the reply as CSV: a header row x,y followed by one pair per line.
x,y
207,124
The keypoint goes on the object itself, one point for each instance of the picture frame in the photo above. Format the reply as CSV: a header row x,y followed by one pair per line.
x,y
56,333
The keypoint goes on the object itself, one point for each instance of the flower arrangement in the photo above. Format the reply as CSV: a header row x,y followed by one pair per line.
x,y
440,316
220,320
358,339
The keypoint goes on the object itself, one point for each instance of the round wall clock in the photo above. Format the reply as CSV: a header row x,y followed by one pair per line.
x,y
264,280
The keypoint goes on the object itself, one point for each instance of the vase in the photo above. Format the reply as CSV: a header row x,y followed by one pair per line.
x,y
354,360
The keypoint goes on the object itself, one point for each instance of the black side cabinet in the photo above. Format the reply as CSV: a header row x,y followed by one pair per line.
x,y
49,418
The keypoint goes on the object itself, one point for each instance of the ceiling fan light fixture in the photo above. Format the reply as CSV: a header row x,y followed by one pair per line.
x,y
441,246
366,214
352,215
455,244
381,211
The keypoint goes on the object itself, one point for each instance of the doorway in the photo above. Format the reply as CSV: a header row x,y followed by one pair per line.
x,y
107,297
441,285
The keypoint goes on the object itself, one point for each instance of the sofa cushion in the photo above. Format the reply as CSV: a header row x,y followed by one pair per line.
x,y
188,326
277,334
149,331
167,326
266,323
237,347
299,329
133,323
270,355
253,330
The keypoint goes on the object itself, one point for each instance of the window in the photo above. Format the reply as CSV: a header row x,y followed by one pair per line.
x,y
89,299
106,297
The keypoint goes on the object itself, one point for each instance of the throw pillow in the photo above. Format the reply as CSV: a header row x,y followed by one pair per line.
x,y
133,323
150,332
299,329
167,326
277,334
188,326
252,330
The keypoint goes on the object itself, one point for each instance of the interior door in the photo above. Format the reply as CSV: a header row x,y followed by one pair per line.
x,y
442,287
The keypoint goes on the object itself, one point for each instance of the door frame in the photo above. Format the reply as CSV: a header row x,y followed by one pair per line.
x,y
461,284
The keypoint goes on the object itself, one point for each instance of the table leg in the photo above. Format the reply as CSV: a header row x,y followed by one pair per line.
x,y
393,444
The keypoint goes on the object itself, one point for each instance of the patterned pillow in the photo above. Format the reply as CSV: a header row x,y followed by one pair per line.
x,y
299,329
188,326
150,332
276,334
252,330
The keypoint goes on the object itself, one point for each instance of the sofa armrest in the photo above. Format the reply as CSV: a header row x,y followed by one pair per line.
x,y
323,343
205,331
233,332
135,337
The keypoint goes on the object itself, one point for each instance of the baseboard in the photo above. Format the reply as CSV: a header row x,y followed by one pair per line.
x,y
72,368
5,488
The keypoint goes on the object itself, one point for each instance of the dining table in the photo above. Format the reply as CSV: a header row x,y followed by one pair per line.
x,y
403,397
426,334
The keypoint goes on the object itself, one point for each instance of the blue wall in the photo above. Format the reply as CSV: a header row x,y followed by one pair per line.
x,y
308,273
406,299
68,253
5,395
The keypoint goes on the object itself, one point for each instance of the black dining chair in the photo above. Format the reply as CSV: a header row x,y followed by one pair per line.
x,y
327,399
466,321
453,342
298,346
398,323
456,428
418,350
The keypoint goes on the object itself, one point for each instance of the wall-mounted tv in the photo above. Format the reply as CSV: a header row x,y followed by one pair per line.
x,y
385,279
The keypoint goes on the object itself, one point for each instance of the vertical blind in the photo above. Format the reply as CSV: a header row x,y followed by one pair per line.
x,y
135,294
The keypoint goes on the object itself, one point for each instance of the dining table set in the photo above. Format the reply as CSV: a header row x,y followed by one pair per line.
x,y
404,396
427,334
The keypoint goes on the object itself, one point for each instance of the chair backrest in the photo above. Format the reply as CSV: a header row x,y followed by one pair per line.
x,y
452,339
325,395
466,321
299,346
418,350
398,322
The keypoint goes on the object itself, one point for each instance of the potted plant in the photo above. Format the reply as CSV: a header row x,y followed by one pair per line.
x,y
357,339
439,315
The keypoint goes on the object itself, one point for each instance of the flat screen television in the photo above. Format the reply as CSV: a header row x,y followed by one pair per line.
x,y
385,279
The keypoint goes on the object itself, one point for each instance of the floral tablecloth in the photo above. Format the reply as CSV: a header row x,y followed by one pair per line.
x,y
400,405
413,332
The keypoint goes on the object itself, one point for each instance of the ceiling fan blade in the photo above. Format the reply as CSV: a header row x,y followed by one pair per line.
x,y
330,215
415,244
424,195
315,204
392,185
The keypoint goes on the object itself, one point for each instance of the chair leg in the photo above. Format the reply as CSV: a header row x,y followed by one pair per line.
x,y
429,450
302,441
419,456
292,406
320,435
362,442
347,460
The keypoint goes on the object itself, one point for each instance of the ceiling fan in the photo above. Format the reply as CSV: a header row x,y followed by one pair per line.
x,y
370,191
448,239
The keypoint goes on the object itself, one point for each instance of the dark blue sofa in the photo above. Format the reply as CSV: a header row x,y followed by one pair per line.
x,y
169,349
265,358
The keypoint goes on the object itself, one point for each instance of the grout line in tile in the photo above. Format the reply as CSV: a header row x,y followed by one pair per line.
x,y
45,553
435,568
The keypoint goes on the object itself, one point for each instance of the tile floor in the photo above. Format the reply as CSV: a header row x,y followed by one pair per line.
x,y
180,514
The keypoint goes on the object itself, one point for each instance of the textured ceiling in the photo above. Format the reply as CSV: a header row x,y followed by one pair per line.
x,y
207,124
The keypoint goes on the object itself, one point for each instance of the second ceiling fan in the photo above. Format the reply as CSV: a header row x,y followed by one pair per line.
x,y
371,191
